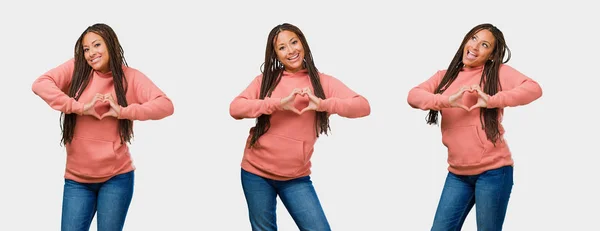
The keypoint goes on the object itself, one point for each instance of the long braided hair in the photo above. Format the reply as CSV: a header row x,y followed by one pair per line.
x,y
489,78
271,75
81,77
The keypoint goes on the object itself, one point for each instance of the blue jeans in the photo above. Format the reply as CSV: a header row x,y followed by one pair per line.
x,y
110,199
298,196
488,191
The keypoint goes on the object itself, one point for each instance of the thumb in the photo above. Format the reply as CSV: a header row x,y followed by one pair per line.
x,y
295,110
464,107
95,114
305,110
475,106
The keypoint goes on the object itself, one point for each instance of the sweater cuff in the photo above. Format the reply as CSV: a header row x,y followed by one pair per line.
x,y
443,100
324,104
124,113
492,102
77,107
273,103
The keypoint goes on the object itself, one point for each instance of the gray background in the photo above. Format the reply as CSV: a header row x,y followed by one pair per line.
x,y
382,172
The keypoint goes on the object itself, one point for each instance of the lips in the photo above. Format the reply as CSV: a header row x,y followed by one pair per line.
x,y
470,55
294,57
95,60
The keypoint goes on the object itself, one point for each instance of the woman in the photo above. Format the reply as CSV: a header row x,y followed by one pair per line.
x,y
291,102
99,96
471,95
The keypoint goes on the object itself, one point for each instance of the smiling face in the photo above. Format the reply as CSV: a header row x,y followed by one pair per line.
x,y
96,52
478,49
290,51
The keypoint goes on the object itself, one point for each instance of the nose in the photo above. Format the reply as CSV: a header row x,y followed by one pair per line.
x,y
290,49
475,46
92,52
91,55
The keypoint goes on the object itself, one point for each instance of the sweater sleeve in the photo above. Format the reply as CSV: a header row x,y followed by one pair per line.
x,y
151,103
52,85
422,96
248,105
342,100
517,89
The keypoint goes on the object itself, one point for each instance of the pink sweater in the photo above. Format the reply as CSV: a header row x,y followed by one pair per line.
x,y
96,153
469,151
287,147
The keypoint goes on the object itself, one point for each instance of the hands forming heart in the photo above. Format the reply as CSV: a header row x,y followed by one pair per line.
x,y
112,108
482,98
287,103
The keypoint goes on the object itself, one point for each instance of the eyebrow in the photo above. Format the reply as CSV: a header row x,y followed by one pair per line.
x,y
483,40
91,43
290,40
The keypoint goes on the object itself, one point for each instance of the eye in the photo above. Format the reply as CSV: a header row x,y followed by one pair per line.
x,y
485,45
294,42
281,48
86,49
97,45
473,38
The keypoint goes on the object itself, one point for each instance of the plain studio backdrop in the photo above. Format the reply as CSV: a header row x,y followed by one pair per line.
x,y
381,172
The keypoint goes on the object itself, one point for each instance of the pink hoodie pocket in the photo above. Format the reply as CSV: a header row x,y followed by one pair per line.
x,y
91,157
464,144
278,155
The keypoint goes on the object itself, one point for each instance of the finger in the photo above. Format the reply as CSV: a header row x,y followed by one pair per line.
x,y
477,105
109,98
109,113
300,91
309,91
483,95
313,98
462,90
483,104
95,99
294,92
95,114
305,110
112,103
463,107
295,110
112,106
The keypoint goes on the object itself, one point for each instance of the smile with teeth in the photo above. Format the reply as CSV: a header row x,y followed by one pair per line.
x,y
294,57
95,60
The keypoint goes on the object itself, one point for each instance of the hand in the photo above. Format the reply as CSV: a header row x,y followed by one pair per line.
x,y
287,103
89,109
313,101
458,95
481,100
114,110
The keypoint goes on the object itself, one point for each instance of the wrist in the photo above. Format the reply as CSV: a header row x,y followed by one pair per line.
x,y
322,104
